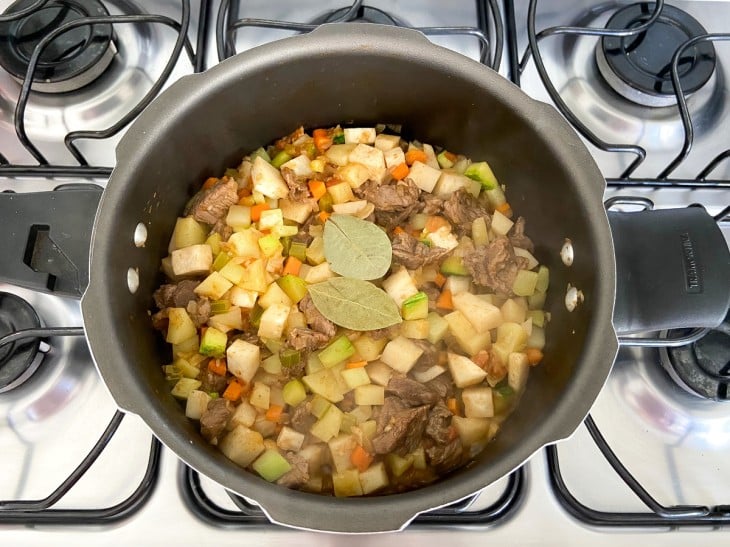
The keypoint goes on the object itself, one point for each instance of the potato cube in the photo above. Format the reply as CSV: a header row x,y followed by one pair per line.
x,y
354,174
187,232
394,157
242,445
373,478
401,354
341,448
400,286
244,415
245,243
369,348
267,179
512,336
355,377
481,314
300,165
192,260
466,335
214,286
289,439
370,157
464,371
328,425
478,402
271,218
323,382
369,395
273,319
501,224
230,320
423,176
239,217
347,483
517,370
357,135
513,312
472,430
379,372
431,160
341,193
416,329
274,295
339,153
387,142
260,396
298,211
180,327
243,359
196,404
243,298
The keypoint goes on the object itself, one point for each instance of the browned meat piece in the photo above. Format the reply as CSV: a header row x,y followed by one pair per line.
x,y
462,208
302,235
442,385
390,219
403,433
410,252
383,414
299,472
290,138
439,424
212,382
246,336
301,417
214,419
306,339
348,403
433,293
298,189
199,310
212,205
411,392
394,202
379,334
429,357
432,205
220,227
495,266
160,320
445,456
315,319
175,295
518,238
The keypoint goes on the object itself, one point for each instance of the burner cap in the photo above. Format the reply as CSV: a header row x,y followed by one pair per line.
x,y
366,14
703,368
16,357
72,60
639,67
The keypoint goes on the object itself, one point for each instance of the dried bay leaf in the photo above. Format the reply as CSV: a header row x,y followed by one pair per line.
x,y
354,304
356,248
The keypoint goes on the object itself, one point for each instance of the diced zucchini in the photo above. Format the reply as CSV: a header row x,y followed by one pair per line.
x,y
298,250
419,458
294,392
293,286
214,242
481,314
370,394
379,372
324,383
315,251
280,159
538,317
478,402
543,279
328,425
274,295
453,265
197,404
347,483
319,406
400,286
369,348
221,259
466,335
480,232
233,272
272,321
537,300
464,371
180,327
268,180
214,286
480,171
243,359
415,307
270,245
272,364
184,387
290,439
187,232
242,445
213,342
437,327
271,465
525,283
531,260
336,351
192,260
355,377
512,311
401,354
373,478
424,176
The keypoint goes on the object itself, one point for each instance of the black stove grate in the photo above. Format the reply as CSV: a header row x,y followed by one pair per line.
x,y
663,178
203,507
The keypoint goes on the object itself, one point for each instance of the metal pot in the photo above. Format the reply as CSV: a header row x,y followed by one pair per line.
x,y
366,74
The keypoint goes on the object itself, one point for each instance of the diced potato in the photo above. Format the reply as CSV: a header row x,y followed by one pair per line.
x,y
398,464
354,208
244,415
187,232
512,311
472,430
166,267
296,320
355,377
517,370
482,315
478,402
379,372
537,338
401,354
289,439
531,260
180,327
387,142
501,224
324,383
341,193
184,387
239,217
230,320
214,286
361,413
357,135
400,286
369,348
437,327
536,301
458,284
464,371
192,260
443,238
272,321
298,211
267,428
373,478
341,448
243,359
242,445
354,174
315,251
424,176
271,218
260,396
512,336
416,329
267,179
394,157
431,160
328,425
243,298
233,272
370,394
347,484
419,458
300,165
245,243
186,346
466,335
339,153
429,374
480,232
370,157
197,404
449,182
274,295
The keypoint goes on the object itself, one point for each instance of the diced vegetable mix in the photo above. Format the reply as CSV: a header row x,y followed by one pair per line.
x,y
285,392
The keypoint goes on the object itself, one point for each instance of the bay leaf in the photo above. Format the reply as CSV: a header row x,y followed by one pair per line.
x,y
356,248
354,304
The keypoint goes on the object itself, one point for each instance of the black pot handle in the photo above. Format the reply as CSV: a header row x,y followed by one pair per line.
x,y
672,270
49,246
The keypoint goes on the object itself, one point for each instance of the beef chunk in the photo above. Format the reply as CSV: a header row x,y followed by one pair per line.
x,y
347,404
429,357
214,419
410,252
160,320
394,202
306,339
199,310
495,266
445,456
390,407
439,424
462,208
518,238
175,295
442,385
301,417
315,319
411,392
212,205
403,433
223,229
212,382
298,189
379,334
303,235
299,472
433,293
430,204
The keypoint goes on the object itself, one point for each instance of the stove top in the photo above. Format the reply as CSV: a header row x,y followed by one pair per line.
x,y
652,447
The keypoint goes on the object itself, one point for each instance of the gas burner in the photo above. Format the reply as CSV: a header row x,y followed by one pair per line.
x,y
703,368
639,67
72,60
366,14
16,358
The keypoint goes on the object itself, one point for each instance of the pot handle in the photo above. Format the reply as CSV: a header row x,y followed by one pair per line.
x,y
50,237
672,270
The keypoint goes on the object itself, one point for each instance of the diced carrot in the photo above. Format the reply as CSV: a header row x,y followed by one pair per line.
x,y
453,405
445,301
243,193
323,216
415,155
356,364
257,209
440,280
217,366
504,208
433,223
274,413
210,182
534,356
398,230
317,188
292,266
360,458
321,139
399,172
450,156
234,391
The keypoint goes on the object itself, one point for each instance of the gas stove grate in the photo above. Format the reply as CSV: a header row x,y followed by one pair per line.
x,y
487,10
662,179
247,514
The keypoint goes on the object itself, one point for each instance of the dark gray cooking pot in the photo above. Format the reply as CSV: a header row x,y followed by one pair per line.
x,y
362,74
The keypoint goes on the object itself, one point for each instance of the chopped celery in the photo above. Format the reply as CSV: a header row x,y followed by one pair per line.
x,y
293,392
453,265
260,152
481,172
271,465
337,351
294,287
298,250
280,159
543,279
220,306
221,260
213,342
415,307
525,282
446,159
256,313
290,357
326,202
